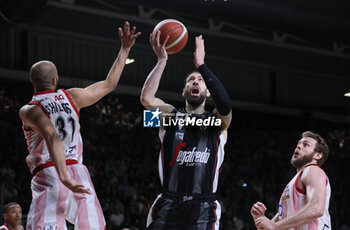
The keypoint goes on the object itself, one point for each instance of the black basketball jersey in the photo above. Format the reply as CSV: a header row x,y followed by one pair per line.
x,y
191,156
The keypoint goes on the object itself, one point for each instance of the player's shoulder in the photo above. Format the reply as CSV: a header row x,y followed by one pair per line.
x,y
71,91
24,110
167,108
313,171
313,167
28,108
28,112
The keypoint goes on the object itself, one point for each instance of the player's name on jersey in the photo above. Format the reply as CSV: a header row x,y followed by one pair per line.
x,y
191,121
54,107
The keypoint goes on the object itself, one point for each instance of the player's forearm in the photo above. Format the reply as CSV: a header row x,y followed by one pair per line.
x,y
302,217
151,84
117,68
216,89
56,150
275,218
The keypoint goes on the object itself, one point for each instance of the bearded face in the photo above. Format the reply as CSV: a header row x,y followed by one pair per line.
x,y
195,90
304,153
301,161
194,100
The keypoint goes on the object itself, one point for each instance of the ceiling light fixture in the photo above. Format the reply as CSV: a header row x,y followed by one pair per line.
x,y
129,61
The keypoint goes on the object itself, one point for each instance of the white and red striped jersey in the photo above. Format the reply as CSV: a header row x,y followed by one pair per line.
x,y
4,227
294,198
63,114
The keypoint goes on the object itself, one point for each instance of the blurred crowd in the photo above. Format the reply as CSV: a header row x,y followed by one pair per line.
x,y
122,155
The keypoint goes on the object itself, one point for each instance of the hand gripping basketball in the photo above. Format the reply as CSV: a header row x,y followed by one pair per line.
x,y
177,33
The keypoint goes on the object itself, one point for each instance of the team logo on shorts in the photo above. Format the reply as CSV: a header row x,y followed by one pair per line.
x,y
151,117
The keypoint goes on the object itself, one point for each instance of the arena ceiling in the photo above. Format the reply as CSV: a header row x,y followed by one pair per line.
x,y
307,36
312,19
322,26
318,29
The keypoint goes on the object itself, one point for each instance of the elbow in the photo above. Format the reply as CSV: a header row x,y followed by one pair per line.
x,y
52,137
318,212
224,110
145,101
110,87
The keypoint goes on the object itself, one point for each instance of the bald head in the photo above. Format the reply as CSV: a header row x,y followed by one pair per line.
x,y
43,76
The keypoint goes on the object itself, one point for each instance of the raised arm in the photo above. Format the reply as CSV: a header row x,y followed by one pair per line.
x,y
148,94
33,117
315,181
215,87
83,97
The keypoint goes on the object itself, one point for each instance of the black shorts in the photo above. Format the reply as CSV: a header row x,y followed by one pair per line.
x,y
172,211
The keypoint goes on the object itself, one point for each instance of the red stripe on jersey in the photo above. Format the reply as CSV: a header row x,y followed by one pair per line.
x,y
50,163
4,226
297,180
154,208
296,185
71,102
177,150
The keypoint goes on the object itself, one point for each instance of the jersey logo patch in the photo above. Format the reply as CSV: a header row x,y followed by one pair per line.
x,y
59,97
192,157
280,210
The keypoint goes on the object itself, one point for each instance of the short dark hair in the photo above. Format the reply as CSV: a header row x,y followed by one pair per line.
x,y
321,146
189,74
7,207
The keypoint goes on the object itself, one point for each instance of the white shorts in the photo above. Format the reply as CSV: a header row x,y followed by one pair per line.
x,y
53,203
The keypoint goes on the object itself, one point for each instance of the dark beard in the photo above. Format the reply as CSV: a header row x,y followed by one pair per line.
x,y
194,101
298,163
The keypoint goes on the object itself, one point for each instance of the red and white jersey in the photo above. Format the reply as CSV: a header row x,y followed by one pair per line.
x,y
4,227
63,114
294,198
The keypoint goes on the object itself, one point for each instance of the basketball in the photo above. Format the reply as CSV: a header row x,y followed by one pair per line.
x,y
177,35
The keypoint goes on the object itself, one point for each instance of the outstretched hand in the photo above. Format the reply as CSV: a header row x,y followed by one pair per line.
x,y
158,48
74,186
199,53
126,36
